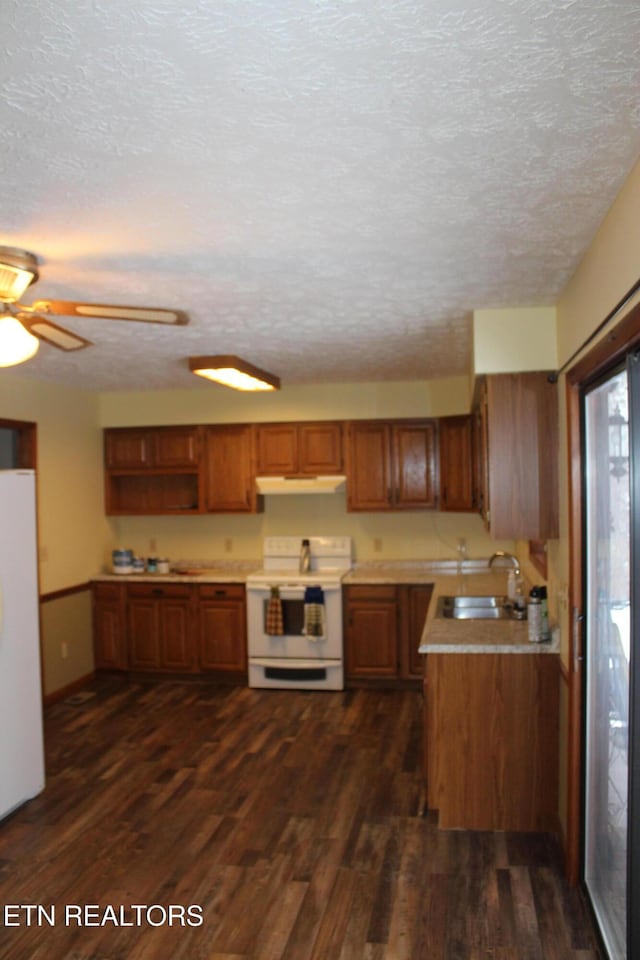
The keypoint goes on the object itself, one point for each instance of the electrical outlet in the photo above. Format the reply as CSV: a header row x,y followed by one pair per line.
x,y
377,544
228,544
64,650
563,596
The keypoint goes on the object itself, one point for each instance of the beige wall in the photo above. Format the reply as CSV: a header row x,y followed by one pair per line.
x,y
209,403
71,523
72,529
376,536
515,339
66,631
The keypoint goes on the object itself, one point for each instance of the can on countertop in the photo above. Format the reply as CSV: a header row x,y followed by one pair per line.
x,y
122,560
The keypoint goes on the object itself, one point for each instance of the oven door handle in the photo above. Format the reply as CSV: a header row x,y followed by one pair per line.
x,y
295,664
290,588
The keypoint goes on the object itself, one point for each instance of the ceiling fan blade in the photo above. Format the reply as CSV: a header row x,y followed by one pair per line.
x,y
68,308
51,333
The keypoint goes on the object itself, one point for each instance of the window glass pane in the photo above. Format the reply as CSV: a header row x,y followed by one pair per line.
x,y
607,656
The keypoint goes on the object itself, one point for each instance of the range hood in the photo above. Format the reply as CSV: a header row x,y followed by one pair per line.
x,y
279,485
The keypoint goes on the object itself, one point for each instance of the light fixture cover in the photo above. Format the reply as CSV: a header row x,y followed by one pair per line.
x,y
232,371
18,269
16,343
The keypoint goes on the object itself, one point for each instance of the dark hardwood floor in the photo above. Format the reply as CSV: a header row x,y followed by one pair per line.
x,y
288,822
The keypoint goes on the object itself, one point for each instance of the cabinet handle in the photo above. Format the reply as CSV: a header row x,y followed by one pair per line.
x,y
220,593
577,656
157,592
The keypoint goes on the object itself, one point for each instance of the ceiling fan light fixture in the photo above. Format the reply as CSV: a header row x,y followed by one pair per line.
x,y
16,343
18,270
232,371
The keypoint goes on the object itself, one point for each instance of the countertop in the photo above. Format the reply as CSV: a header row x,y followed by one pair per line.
x,y
442,635
214,572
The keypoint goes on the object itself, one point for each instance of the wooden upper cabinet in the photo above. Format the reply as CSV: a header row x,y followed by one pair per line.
x,y
518,428
230,481
177,447
369,466
392,465
133,448
457,486
127,449
414,463
299,449
152,470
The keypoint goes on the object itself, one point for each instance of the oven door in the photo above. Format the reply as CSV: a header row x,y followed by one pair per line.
x,y
294,643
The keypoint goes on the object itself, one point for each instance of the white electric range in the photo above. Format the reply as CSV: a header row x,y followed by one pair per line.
x,y
297,658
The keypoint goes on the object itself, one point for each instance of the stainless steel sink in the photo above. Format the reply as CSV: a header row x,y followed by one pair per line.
x,y
474,608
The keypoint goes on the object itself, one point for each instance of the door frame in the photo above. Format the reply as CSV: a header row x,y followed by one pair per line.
x,y
608,352
27,445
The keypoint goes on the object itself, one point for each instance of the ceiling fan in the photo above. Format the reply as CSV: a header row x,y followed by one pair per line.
x,y
26,324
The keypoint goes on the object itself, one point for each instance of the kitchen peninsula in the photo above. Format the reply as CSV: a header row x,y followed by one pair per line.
x,y
491,721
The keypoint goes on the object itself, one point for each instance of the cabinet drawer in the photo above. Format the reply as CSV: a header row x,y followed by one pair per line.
x,y
107,591
221,591
176,591
373,591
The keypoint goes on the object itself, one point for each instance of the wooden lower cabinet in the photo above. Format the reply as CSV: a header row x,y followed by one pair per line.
x,y
222,631
109,635
491,740
371,634
383,625
414,605
160,633
170,627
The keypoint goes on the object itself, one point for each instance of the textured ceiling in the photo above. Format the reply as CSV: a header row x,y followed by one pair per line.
x,y
328,187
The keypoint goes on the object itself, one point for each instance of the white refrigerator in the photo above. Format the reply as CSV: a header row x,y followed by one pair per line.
x,y
21,738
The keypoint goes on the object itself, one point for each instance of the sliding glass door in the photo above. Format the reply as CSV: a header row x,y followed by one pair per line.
x,y
610,544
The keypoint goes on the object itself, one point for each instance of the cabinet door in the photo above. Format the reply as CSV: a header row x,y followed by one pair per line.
x,y
230,484
522,430
299,449
415,605
109,639
143,633
320,448
223,643
175,647
481,453
127,449
371,633
277,446
368,472
176,447
414,459
456,463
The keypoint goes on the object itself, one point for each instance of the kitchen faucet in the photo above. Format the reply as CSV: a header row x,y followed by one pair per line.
x,y
502,555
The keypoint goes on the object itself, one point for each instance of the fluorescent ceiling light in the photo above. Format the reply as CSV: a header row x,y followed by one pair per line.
x,y
16,343
233,372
